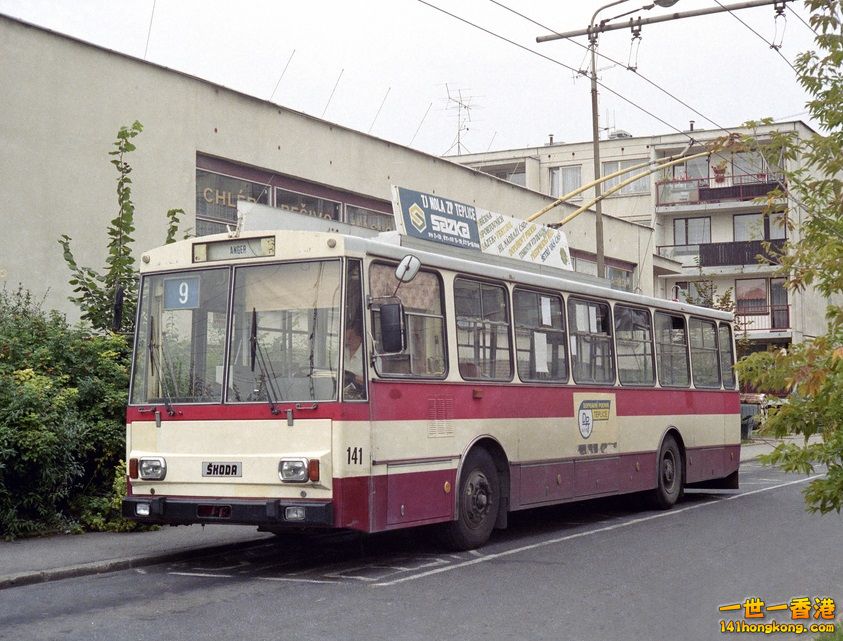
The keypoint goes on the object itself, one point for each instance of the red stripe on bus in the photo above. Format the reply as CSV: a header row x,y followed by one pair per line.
x,y
391,401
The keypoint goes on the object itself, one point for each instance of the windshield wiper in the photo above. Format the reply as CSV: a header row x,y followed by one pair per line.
x,y
156,366
258,356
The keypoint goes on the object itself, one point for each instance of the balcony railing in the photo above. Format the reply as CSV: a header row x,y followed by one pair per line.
x,y
689,191
721,254
766,318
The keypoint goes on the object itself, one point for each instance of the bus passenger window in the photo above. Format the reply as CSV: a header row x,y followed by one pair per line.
x,y
727,356
591,342
539,336
704,362
482,330
424,354
634,336
672,350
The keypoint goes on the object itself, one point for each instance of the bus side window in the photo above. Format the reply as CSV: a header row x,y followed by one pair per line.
x,y
590,327
704,361
483,342
672,350
540,336
634,336
424,354
727,356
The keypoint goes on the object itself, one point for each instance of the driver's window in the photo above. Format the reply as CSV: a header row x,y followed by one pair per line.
x,y
354,361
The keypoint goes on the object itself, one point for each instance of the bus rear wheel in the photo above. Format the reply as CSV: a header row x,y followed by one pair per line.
x,y
670,475
477,505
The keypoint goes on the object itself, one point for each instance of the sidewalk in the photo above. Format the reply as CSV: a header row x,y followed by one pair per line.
x,y
28,561
49,558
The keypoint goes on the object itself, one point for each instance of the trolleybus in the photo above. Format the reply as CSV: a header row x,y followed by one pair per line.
x,y
299,379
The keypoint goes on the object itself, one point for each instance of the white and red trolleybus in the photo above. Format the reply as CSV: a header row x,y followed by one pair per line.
x,y
295,379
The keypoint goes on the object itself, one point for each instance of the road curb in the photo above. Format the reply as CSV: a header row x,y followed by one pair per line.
x,y
113,565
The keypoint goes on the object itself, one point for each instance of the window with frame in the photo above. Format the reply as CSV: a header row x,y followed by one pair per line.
x,y
619,278
759,226
640,186
482,319
307,205
727,356
564,180
590,327
751,296
216,200
424,353
692,231
672,350
585,266
704,353
369,218
634,340
539,336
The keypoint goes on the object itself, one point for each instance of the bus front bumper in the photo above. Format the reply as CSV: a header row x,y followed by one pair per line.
x,y
164,510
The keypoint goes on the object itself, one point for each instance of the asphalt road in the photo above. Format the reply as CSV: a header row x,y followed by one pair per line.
x,y
601,570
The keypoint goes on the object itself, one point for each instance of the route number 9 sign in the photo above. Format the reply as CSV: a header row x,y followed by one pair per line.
x,y
181,293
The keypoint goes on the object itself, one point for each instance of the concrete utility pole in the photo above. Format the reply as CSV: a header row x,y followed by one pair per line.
x,y
593,30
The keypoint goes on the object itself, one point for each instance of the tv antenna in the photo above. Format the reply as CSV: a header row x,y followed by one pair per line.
x,y
463,108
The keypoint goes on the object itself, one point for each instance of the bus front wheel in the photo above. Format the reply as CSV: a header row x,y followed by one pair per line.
x,y
477,504
670,475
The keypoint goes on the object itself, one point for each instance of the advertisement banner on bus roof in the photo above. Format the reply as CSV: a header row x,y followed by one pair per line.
x,y
445,221
431,217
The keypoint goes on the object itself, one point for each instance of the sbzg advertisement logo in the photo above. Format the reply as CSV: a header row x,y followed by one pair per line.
x,y
450,226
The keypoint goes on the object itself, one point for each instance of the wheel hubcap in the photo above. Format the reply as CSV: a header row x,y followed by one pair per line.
x,y
668,470
478,498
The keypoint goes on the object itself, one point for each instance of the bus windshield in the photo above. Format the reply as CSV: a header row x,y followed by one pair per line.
x,y
180,343
285,332
285,335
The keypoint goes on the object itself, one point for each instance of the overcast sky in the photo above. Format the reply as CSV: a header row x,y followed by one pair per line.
x,y
407,51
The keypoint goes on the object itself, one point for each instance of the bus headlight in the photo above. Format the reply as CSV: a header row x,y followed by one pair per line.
x,y
293,470
152,468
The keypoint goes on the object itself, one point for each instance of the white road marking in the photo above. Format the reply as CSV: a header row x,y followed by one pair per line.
x,y
292,580
204,574
561,539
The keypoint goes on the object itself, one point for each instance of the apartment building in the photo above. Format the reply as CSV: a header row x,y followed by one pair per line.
x,y
708,215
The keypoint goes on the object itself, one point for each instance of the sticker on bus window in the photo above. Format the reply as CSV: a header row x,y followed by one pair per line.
x,y
181,293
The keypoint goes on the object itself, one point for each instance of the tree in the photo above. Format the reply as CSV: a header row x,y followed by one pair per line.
x,y
813,371
108,300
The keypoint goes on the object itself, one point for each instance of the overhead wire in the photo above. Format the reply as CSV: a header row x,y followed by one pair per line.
x,y
802,20
556,62
617,62
767,42
600,84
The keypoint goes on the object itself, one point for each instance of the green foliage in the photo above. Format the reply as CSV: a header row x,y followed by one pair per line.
x,y
812,371
62,393
172,224
108,300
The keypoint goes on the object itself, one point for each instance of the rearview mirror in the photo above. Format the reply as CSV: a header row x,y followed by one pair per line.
x,y
392,328
407,268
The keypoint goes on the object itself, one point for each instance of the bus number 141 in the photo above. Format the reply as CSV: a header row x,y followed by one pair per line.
x,y
354,455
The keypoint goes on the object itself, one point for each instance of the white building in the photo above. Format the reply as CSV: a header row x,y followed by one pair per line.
x,y
706,214
204,146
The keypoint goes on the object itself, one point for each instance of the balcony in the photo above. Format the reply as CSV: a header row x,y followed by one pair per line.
x,y
718,189
762,319
720,254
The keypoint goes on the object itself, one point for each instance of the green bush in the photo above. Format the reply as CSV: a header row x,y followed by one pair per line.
x,y
62,398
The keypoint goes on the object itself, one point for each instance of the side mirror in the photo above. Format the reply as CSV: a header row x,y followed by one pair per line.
x,y
407,268
392,328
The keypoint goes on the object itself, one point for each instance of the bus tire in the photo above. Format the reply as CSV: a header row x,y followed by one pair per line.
x,y
670,472
478,502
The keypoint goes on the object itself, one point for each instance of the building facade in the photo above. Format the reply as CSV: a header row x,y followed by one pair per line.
x,y
708,214
204,147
